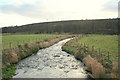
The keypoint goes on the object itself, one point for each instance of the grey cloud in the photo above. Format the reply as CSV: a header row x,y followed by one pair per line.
x,y
119,9
111,5
32,11
24,10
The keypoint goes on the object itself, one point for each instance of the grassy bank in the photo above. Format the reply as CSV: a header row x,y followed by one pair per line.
x,y
98,52
18,47
9,41
105,43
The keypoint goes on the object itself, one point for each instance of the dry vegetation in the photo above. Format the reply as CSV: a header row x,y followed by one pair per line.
x,y
96,65
11,56
93,65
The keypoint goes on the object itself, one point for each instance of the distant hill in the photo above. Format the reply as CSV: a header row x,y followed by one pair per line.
x,y
100,26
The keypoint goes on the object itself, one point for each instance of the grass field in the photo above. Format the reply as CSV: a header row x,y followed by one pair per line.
x,y
82,49
14,40
19,46
106,43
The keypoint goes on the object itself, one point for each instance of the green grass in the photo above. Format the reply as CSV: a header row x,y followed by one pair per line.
x,y
104,42
14,40
7,72
24,51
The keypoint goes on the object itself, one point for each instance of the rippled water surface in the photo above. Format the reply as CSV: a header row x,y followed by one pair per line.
x,y
51,62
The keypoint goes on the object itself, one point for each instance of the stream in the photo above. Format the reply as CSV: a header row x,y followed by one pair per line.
x,y
51,62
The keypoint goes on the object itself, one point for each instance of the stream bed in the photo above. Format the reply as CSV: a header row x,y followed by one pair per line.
x,y
51,62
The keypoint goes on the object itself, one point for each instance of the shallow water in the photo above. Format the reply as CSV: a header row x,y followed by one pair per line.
x,y
51,62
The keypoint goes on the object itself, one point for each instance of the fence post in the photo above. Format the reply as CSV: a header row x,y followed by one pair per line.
x,y
88,48
84,44
108,55
92,49
101,54
10,44
99,51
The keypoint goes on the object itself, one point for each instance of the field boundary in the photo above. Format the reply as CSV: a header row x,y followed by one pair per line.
x,y
82,53
13,55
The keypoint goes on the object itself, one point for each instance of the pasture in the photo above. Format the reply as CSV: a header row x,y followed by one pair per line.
x,y
96,49
14,40
106,43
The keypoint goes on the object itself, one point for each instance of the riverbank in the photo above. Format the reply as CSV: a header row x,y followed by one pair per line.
x,y
12,56
99,65
51,62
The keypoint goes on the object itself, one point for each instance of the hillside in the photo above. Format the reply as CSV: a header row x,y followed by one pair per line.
x,y
100,26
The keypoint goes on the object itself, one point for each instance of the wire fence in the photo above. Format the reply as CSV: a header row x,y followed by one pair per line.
x,y
97,52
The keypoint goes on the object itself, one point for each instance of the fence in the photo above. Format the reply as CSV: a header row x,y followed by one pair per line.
x,y
96,52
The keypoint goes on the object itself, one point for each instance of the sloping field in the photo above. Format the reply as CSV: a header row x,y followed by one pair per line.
x,y
14,40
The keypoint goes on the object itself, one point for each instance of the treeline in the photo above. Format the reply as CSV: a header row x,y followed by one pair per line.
x,y
99,26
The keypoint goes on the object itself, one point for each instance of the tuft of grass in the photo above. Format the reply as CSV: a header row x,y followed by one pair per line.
x,y
8,72
94,66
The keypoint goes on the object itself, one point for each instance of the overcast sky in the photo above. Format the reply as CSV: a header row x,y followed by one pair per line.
x,y
20,12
